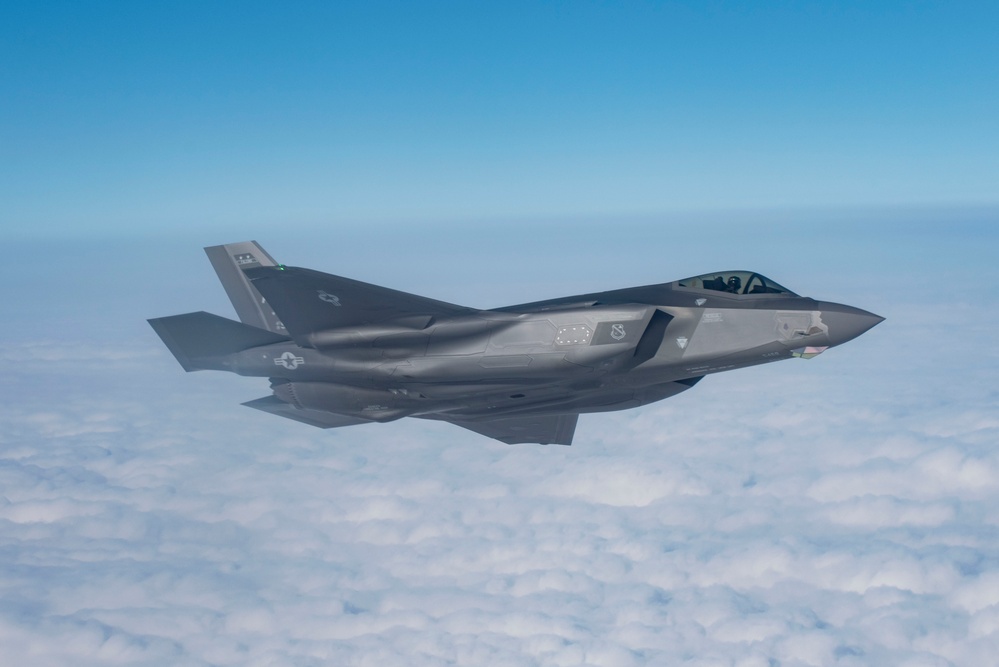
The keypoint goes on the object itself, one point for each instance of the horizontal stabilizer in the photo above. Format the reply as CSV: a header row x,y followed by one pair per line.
x,y
308,301
542,429
320,418
199,340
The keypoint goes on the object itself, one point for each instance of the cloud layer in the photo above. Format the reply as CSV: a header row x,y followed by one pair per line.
x,y
837,511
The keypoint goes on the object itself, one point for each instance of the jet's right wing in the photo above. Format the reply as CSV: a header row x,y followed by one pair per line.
x,y
543,429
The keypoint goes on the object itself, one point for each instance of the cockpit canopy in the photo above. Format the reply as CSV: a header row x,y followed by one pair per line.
x,y
735,282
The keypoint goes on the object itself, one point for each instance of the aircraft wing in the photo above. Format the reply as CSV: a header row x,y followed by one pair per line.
x,y
320,418
544,429
308,301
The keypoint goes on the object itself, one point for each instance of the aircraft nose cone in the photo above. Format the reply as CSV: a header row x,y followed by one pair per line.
x,y
846,322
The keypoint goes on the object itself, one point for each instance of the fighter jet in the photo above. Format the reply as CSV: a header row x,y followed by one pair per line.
x,y
340,352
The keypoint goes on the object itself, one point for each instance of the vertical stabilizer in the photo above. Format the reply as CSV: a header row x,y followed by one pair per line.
x,y
230,260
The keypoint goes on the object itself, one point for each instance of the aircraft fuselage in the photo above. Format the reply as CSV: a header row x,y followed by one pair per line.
x,y
349,352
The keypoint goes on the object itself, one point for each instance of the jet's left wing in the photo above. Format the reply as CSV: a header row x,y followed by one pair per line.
x,y
310,301
543,429
320,418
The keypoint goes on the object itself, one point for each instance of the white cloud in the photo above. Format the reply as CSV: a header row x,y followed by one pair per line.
x,y
839,511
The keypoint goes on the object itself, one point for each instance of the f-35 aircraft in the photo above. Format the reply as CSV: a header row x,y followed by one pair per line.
x,y
340,352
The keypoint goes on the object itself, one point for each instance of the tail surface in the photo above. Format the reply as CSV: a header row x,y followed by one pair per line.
x,y
231,261
201,340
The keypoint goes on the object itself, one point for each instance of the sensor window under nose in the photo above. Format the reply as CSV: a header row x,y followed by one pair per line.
x,y
808,352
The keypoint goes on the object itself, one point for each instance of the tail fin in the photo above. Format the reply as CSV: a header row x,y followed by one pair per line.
x,y
201,340
230,262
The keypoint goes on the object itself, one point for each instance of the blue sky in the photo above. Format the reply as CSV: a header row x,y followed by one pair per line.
x,y
118,115
837,511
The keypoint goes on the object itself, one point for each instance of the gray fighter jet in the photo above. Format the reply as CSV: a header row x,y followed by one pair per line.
x,y
340,352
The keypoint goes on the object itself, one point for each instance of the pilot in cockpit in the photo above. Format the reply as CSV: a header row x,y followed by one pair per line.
x,y
734,284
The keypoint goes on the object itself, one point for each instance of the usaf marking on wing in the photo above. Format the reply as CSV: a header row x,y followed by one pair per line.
x,y
329,298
